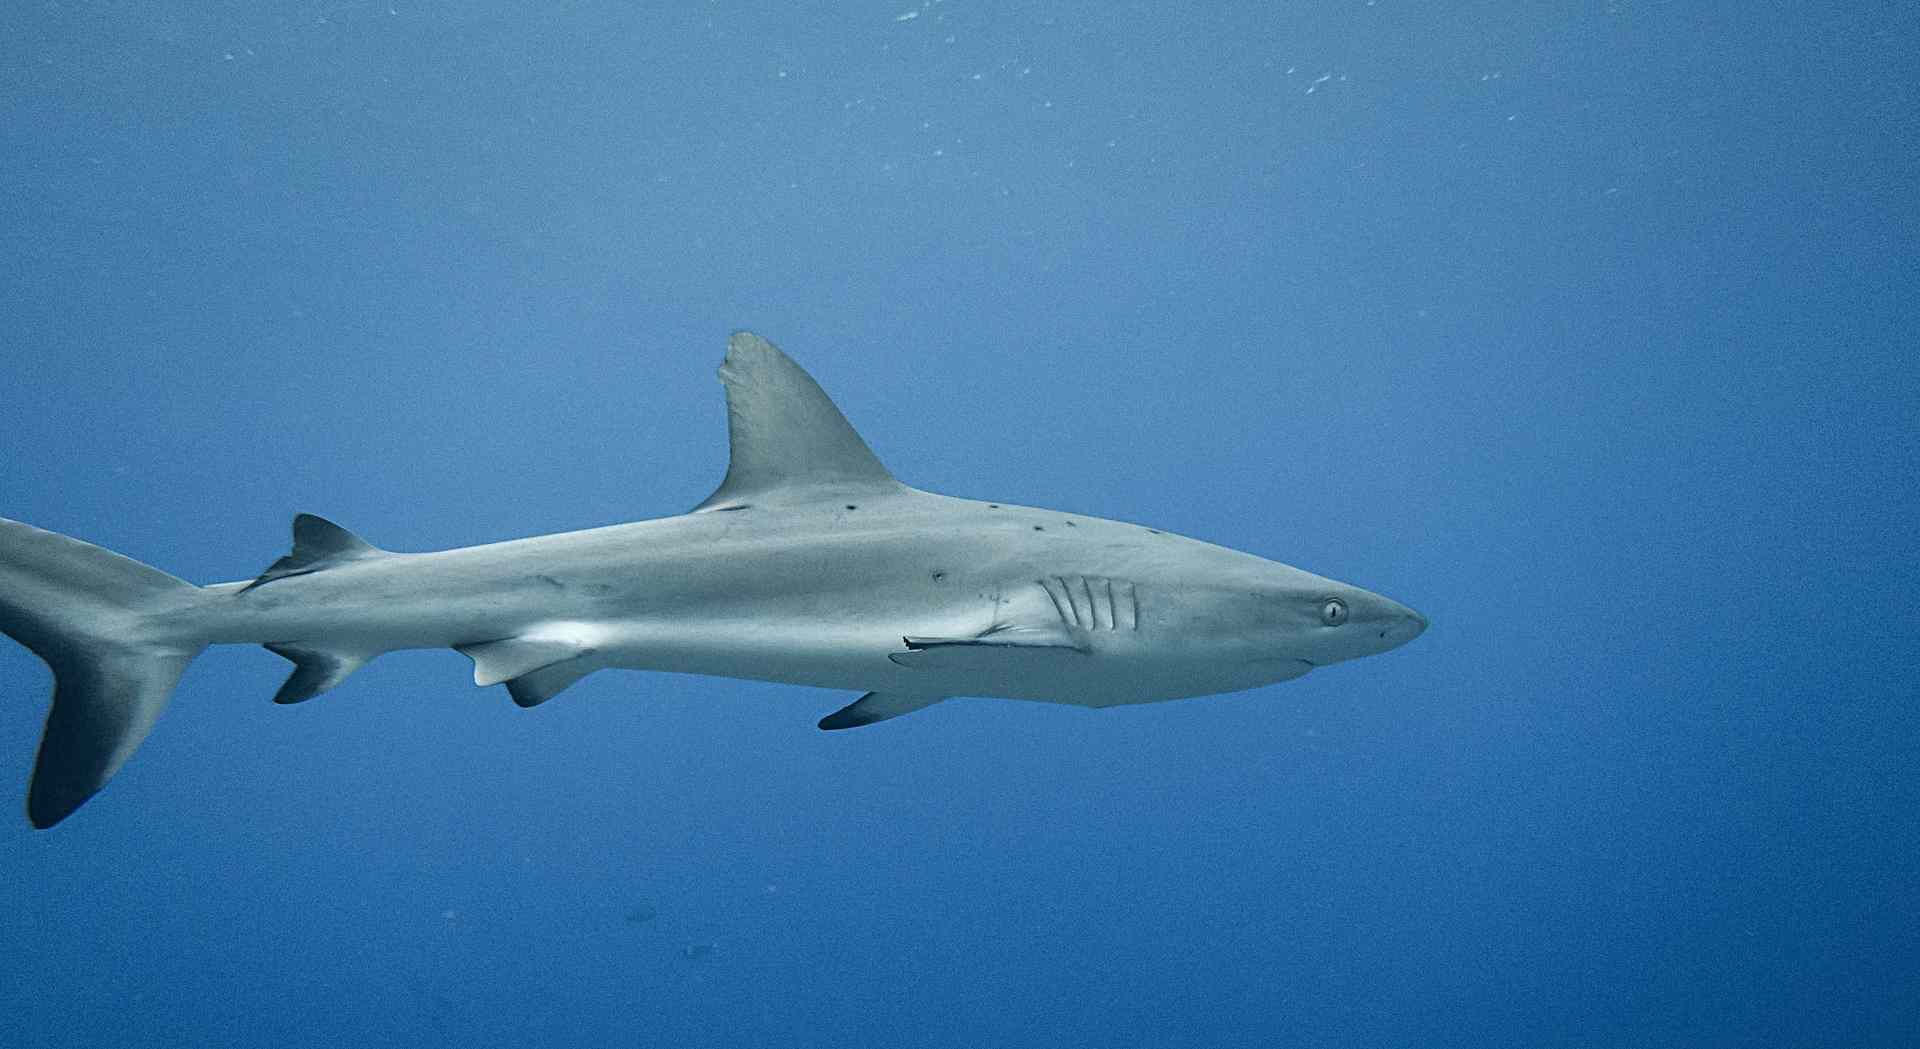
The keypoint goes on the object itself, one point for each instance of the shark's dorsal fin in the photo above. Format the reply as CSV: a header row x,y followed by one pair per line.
x,y
317,543
788,440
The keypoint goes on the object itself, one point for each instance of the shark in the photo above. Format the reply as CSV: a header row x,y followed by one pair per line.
x,y
810,565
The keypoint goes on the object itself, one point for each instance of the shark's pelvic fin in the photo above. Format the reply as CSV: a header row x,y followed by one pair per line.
x,y
497,661
317,543
876,706
315,670
509,658
535,688
787,437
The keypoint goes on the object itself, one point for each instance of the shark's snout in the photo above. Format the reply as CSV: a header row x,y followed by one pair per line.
x,y
1355,624
1402,626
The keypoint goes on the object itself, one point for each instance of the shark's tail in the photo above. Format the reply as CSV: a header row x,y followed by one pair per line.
x,y
107,626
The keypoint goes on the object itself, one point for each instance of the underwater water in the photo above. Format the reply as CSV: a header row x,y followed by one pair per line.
x,y
1586,329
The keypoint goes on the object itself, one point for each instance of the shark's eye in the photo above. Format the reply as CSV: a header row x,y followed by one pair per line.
x,y
1334,611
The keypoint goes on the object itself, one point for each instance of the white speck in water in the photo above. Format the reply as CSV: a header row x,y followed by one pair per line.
x,y
906,16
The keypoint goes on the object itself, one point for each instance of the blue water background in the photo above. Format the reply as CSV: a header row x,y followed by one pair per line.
x,y
1584,328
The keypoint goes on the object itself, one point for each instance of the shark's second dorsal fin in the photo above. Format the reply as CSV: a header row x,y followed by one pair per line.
x,y
787,437
317,543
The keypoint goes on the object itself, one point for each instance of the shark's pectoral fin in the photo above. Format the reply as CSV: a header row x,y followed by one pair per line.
x,y
876,706
315,670
317,543
1003,646
507,658
533,689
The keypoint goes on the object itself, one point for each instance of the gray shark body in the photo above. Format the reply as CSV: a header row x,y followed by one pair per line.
x,y
810,565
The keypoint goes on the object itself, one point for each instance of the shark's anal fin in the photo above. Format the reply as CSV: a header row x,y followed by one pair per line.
x,y
315,670
317,544
786,436
876,706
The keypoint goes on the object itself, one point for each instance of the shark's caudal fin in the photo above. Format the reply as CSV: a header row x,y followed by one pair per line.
x,y
788,440
95,618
